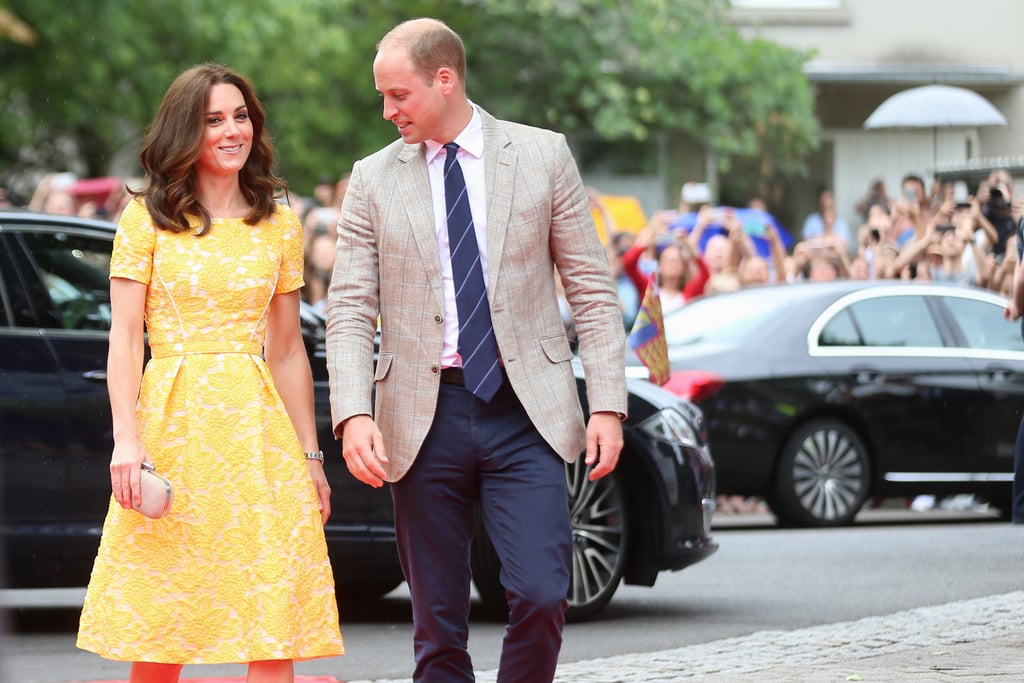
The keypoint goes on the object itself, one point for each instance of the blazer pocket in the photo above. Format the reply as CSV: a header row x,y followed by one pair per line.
x,y
556,349
383,365
532,215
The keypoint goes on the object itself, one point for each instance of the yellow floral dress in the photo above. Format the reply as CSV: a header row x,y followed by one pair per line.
x,y
238,570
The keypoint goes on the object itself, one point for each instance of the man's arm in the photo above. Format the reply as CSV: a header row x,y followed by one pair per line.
x,y
592,297
1016,304
353,302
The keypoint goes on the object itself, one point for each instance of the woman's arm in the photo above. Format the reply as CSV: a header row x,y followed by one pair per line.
x,y
695,285
979,219
705,217
286,358
777,253
912,251
1015,306
124,378
631,266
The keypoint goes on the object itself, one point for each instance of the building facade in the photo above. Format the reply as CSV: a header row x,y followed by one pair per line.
x,y
867,50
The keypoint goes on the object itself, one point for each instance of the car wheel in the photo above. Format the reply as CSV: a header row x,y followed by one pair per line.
x,y
823,476
600,535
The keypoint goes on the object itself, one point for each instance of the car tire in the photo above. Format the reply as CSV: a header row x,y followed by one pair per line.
x,y
823,476
600,543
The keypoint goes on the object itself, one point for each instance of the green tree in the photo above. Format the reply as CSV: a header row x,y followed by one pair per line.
x,y
84,91
649,67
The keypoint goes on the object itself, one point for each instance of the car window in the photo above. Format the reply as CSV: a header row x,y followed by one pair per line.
x,y
6,276
840,331
895,321
711,319
75,270
983,325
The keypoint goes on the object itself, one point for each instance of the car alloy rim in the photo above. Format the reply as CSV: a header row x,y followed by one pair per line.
x,y
827,474
598,532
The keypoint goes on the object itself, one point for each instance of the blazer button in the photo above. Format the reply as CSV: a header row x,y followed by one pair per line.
x,y
438,319
435,370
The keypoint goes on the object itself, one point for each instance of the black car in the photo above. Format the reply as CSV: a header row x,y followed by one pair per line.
x,y
652,514
819,397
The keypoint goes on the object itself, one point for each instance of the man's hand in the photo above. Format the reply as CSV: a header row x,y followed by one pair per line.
x,y
363,449
604,443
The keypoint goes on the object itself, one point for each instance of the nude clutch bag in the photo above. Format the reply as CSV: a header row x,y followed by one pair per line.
x,y
157,493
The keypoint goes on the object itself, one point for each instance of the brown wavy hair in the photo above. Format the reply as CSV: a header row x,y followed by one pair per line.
x,y
173,144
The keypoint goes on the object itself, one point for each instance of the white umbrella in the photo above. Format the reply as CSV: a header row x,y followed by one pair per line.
x,y
935,106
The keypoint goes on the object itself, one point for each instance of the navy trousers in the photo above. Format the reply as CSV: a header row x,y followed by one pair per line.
x,y
491,454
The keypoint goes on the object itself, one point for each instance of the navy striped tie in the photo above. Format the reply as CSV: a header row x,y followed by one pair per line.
x,y
477,345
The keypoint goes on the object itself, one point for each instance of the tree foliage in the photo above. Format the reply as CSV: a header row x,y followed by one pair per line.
x,y
83,92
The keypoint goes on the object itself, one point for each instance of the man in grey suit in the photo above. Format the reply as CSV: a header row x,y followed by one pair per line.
x,y
476,401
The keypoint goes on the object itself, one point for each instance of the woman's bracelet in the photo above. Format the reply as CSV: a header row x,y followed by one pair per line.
x,y
314,455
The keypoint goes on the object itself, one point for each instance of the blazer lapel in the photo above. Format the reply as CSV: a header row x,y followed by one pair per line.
x,y
414,189
499,169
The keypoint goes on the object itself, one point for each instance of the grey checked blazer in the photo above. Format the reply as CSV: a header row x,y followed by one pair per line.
x,y
388,263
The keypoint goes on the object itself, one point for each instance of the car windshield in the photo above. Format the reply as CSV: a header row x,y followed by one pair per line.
x,y
721,318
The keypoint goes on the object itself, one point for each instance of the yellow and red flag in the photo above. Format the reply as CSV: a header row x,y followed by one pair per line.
x,y
647,338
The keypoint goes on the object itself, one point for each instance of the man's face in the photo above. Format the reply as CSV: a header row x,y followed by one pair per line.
x,y
415,106
913,191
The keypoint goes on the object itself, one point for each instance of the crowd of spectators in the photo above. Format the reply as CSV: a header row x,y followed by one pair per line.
x,y
942,235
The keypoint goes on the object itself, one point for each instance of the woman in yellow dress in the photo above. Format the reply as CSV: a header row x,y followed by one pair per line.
x,y
208,264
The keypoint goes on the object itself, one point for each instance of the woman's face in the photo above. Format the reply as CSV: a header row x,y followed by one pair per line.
x,y
670,263
717,253
228,133
951,245
755,272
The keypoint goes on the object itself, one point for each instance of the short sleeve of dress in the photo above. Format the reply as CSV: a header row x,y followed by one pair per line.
x,y
290,278
132,256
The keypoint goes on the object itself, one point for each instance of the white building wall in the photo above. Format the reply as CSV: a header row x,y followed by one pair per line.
x,y
901,35
860,157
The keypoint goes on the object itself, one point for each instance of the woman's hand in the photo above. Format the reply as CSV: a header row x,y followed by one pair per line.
x,y
323,489
126,473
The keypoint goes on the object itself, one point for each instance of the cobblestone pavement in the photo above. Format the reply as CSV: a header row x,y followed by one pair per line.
x,y
966,642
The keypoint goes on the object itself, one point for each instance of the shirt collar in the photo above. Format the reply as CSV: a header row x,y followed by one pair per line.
x,y
471,139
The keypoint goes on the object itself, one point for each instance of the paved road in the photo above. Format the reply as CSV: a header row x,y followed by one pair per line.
x,y
968,641
940,639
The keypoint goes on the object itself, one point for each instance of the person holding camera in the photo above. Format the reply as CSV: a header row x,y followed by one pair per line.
x,y
946,237
682,274
826,222
997,211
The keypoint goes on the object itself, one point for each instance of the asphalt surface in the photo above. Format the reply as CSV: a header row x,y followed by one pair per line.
x,y
970,641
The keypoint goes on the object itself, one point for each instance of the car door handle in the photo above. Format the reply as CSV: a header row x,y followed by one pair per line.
x,y
97,376
868,376
1002,375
